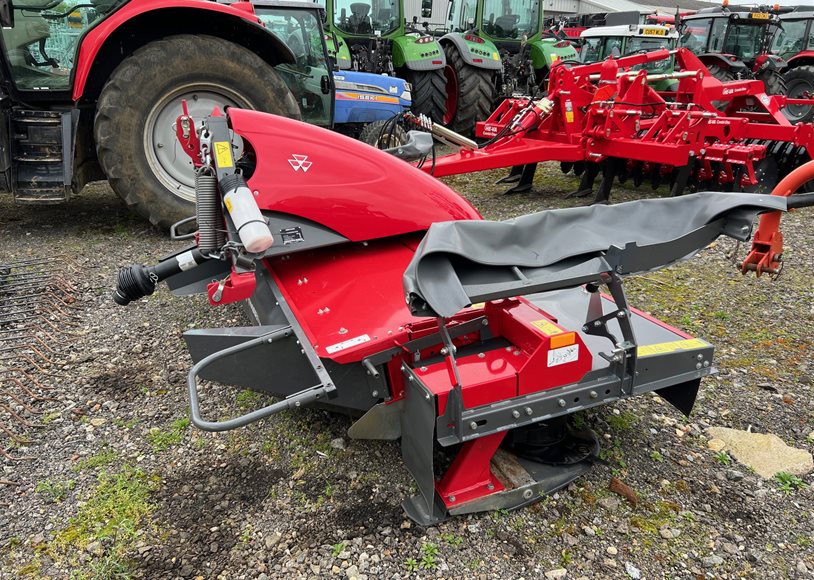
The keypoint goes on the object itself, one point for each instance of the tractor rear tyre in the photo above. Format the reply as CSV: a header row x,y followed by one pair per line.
x,y
722,74
774,82
383,135
470,93
800,85
136,112
428,92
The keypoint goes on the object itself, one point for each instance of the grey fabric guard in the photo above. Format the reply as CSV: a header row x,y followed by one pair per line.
x,y
546,238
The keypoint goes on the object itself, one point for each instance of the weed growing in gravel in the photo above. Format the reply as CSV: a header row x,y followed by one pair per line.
x,y
111,517
452,540
162,440
248,400
656,456
428,554
411,564
624,421
723,458
100,459
788,483
337,549
55,491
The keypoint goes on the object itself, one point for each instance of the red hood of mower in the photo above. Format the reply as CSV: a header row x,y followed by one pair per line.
x,y
354,189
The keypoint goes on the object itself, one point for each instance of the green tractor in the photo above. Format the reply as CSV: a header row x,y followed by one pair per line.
x,y
371,36
495,49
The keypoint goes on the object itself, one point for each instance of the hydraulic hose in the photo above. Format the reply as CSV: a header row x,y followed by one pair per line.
x,y
138,281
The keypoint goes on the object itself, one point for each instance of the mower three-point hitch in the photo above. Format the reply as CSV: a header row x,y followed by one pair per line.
x,y
386,295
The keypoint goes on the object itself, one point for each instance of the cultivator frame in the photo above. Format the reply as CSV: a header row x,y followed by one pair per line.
x,y
601,118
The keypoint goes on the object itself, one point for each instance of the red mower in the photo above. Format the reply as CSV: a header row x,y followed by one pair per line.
x,y
378,291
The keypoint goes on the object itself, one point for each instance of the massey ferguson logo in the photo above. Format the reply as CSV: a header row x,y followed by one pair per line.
x,y
299,162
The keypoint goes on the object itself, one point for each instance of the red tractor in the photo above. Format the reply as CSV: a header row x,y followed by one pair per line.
x,y
734,44
792,42
91,90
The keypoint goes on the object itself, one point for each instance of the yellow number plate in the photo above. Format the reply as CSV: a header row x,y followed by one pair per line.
x,y
654,32
759,15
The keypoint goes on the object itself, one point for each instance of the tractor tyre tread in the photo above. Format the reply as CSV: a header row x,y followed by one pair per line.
x,y
722,74
476,93
774,82
801,73
429,92
372,132
134,88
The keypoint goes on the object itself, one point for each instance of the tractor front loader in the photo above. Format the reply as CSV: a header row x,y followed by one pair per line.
x,y
606,119
483,337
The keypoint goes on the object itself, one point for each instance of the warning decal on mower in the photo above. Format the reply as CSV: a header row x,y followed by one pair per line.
x,y
560,356
547,328
665,347
347,344
223,154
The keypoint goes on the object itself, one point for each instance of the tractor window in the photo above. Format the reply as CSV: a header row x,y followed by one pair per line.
x,y
612,46
694,34
636,44
367,18
301,31
718,35
744,41
790,39
41,46
591,50
466,18
510,19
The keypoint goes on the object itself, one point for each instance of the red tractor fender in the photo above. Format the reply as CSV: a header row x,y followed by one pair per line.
x,y
725,61
96,37
804,58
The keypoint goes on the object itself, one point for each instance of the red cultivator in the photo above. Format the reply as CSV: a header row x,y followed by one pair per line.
x,y
603,118
385,295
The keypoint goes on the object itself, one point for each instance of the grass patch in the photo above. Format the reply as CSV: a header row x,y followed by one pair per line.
x,y
55,491
624,421
100,459
112,516
173,435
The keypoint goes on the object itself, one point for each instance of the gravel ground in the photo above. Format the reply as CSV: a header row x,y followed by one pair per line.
x,y
121,486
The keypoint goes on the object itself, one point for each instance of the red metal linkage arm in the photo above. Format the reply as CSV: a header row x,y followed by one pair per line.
x,y
767,244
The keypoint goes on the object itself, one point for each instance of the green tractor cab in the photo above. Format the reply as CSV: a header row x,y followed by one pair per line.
x,y
371,36
623,40
495,49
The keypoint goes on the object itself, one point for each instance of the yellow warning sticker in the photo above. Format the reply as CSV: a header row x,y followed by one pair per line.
x,y
547,327
569,116
667,347
228,203
478,306
223,154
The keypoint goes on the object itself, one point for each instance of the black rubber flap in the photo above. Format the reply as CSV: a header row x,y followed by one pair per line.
x,y
432,282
